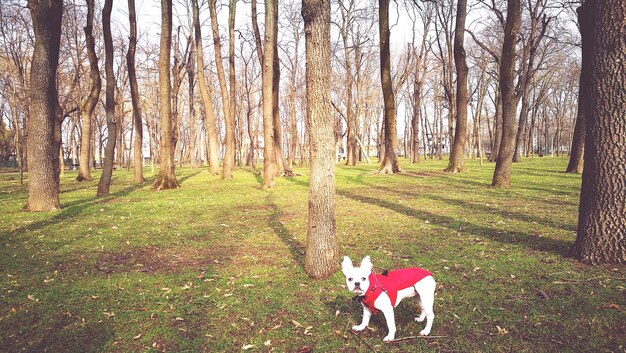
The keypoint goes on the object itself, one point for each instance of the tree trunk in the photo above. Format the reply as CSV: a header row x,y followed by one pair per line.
x,y
578,141
134,94
205,92
278,129
267,88
497,122
43,183
167,177
389,163
457,154
109,151
229,123
502,173
89,105
601,236
190,67
321,251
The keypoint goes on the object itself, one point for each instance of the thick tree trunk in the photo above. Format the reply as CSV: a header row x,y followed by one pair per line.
x,y
206,94
601,236
167,177
389,163
269,158
42,145
89,105
321,251
134,94
109,151
502,173
457,155
585,23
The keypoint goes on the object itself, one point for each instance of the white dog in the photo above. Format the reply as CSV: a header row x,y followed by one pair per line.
x,y
385,291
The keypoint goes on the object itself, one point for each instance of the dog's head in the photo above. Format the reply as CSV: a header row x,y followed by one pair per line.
x,y
357,278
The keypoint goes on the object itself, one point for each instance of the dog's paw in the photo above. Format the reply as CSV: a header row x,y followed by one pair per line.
x,y
389,338
420,318
424,332
358,328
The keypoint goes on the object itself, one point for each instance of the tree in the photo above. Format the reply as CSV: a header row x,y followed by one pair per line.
x,y
206,94
109,153
321,250
167,177
389,163
89,105
43,140
229,124
457,155
269,158
229,156
575,164
134,94
502,173
601,235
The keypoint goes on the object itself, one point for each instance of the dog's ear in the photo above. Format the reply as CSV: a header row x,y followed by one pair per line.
x,y
366,263
346,265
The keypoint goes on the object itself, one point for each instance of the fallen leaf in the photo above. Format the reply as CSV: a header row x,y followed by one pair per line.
x,y
307,330
267,343
501,330
296,323
138,336
247,346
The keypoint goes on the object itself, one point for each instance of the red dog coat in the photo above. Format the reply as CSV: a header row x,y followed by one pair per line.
x,y
391,284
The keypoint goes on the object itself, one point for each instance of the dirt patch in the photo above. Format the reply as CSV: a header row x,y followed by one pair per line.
x,y
425,173
169,260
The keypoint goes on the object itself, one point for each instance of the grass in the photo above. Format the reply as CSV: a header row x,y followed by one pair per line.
x,y
217,265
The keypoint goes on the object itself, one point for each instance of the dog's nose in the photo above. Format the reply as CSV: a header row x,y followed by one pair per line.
x,y
357,283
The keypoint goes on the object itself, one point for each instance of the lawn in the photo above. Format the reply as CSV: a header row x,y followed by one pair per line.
x,y
217,265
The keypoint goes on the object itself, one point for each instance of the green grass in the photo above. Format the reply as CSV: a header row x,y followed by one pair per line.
x,y
217,265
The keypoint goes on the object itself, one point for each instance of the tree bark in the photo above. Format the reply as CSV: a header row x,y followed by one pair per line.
x,y
278,129
321,251
502,173
229,151
109,151
601,236
42,145
190,67
166,179
134,94
457,155
267,88
585,23
205,92
389,163
89,105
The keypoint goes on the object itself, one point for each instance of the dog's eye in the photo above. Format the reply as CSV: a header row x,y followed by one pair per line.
x,y
363,279
350,279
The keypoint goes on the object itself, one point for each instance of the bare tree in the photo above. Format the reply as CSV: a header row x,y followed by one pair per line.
x,y
502,173
134,93
109,153
269,158
205,92
457,155
601,223
321,251
389,163
167,177
43,140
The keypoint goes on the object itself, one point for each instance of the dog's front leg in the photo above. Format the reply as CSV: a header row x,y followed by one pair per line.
x,y
383,303
367,314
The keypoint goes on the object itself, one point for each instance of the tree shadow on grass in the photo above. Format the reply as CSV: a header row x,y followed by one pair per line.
x,y
295,247
72,210
511,237
182,180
